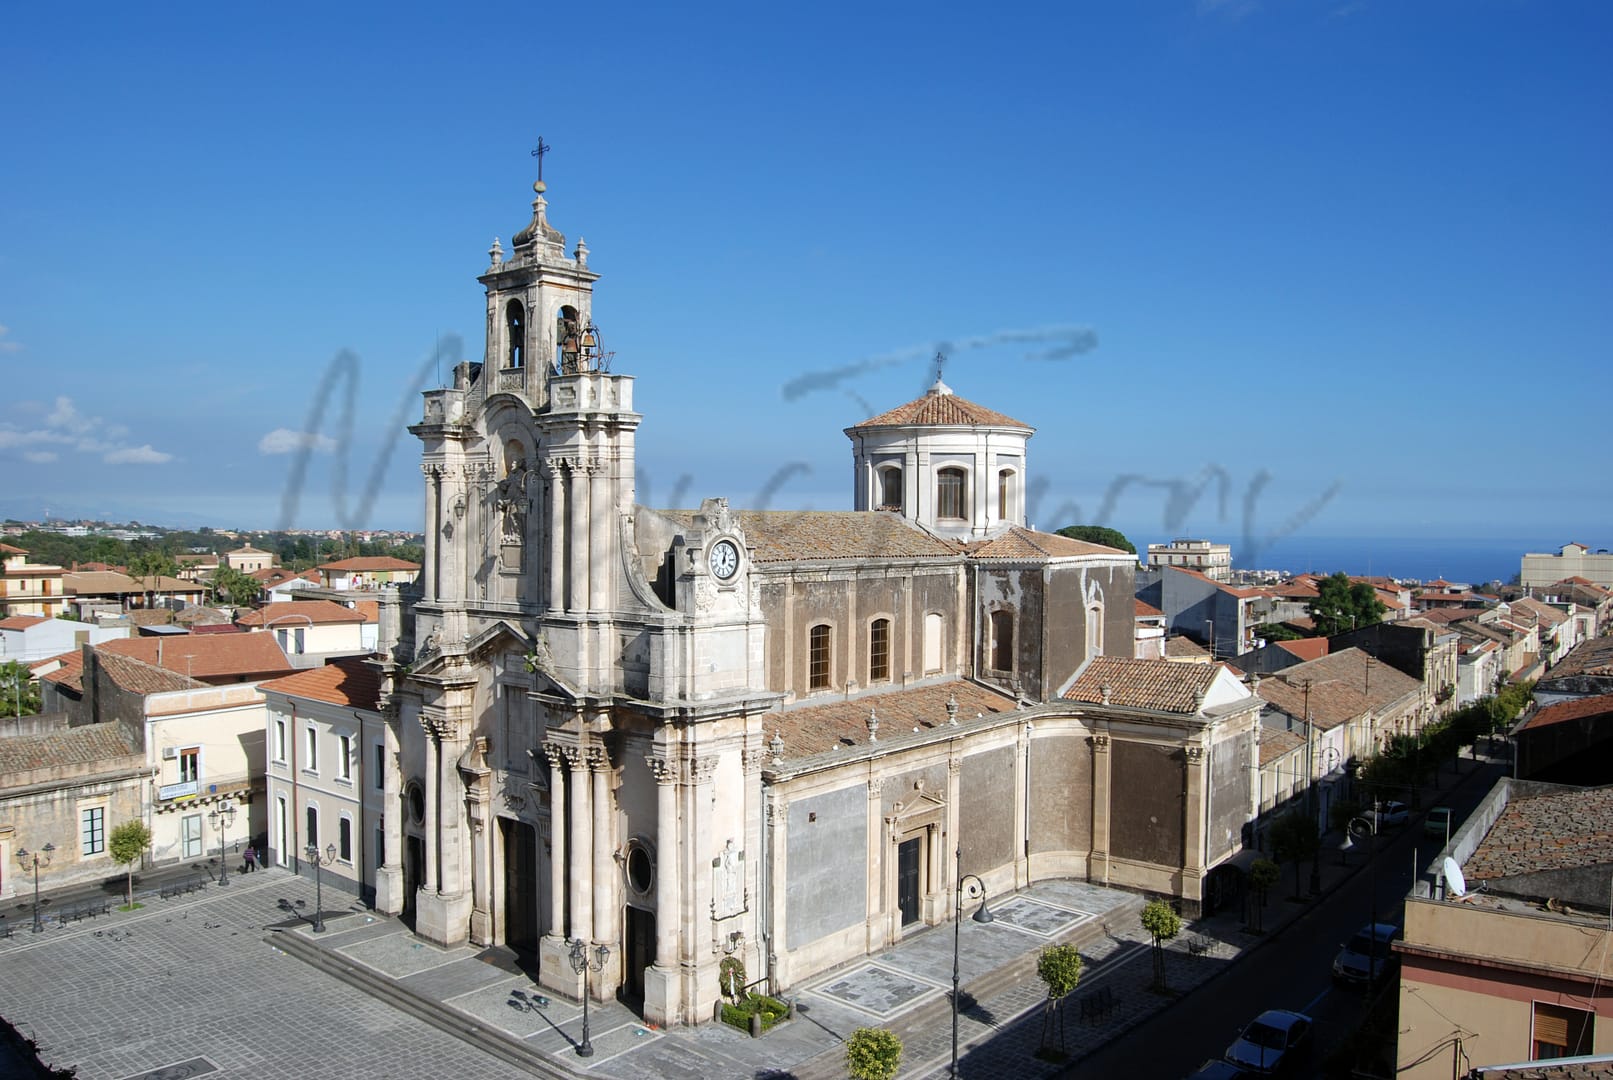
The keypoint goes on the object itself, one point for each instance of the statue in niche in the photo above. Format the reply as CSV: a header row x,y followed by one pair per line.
x,y
570,343
512,500
728,881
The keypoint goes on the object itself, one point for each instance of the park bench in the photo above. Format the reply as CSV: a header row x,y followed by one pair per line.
x,y
1098,1004
1199,945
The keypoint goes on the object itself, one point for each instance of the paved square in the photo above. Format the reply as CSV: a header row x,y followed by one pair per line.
x,y
1033,917
877,990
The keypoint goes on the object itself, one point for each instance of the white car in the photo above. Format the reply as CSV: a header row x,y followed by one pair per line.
x,y
1273,1043
1392,815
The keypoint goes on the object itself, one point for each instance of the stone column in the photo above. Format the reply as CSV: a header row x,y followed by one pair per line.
x,y
577,537
666,862
1193,826
1098,869
556,525
432,826
604,847
557,840
389,878
600,521
433,528
579,816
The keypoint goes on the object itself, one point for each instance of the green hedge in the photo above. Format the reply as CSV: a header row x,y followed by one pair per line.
x,y
771,1009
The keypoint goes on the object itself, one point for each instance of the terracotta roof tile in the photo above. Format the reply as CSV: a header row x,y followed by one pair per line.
x,y
22,622
1276,741
1558,831
1144,610
809,729
139,677
289,614
1311,648
371,562
1144,684
70,676
349,681
7,549
1575,709
807,535
1184,648
1017,542
1343,685
1545,614
212,658
940,407
83,745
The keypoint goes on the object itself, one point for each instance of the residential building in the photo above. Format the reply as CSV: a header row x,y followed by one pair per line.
x,y
312,631
1510,963
327,748
1150,632
108,592
1214,561
370,573
1555,624
1218,616
1573,560
215,659
1570,742
282,584
248,559
1587,670
28,638
197,567
30,588
1426,650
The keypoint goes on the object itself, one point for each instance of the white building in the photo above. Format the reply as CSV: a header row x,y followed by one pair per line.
x,y
1574,560
1212,560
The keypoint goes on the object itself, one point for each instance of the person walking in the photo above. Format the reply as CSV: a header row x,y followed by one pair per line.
x,y
251,857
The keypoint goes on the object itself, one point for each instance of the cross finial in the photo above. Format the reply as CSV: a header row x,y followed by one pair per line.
x,y
538,151
940,361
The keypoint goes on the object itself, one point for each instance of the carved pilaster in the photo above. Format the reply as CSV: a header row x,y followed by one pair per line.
x,y
703,769
1100,744
664,769
598,758
1195,754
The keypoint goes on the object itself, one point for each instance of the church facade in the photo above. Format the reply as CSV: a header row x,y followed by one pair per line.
x,y
779,736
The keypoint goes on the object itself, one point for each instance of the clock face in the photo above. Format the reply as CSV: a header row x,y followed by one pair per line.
x,y
724,559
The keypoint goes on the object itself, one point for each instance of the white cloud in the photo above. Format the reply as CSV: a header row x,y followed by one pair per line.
x,y
64,425
137,455
286,441
8,346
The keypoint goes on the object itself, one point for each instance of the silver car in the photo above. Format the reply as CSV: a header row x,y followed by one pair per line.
x,y
1273,1043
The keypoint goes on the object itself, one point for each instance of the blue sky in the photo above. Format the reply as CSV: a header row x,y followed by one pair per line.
x,y
1358,248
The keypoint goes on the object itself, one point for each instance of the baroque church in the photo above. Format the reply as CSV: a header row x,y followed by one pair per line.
x,y
686,734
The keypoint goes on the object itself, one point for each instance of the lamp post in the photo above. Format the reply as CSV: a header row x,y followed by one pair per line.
x,y
312,854
975,887
34,858
1369,827
583,962
221,819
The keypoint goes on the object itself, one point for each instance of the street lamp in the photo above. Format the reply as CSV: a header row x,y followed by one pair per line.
x,y
311,853
33,858
975,887
583,962
1367,826
221,819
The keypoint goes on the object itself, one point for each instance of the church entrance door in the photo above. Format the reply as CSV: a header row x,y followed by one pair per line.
x,y
414,874
907,879
520,885
639,935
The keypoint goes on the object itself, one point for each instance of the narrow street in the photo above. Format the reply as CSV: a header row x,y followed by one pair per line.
x,y
1294,969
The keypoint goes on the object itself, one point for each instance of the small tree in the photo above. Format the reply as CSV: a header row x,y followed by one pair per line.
x,y
1161,920
1263,874
873,1054
127,843
1100,534
1060,969
1294,839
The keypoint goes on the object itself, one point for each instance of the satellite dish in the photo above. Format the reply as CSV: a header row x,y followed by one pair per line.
x,y
1454,879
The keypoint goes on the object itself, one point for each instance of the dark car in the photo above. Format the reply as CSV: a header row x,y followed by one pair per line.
x,y
1274,1042
1366,957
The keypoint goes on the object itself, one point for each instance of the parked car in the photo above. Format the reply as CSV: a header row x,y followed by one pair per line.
x,y
1219,1070
1392,815
1274,1042
1439,822
1366,958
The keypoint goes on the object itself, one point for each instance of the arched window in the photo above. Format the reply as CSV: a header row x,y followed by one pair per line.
x,y
949,494
879,650
1005,493
1002,640
934,642
818,657
515,333
568,341
1095,629
890,488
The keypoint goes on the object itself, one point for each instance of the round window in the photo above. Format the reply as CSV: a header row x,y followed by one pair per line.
x,y
416,798
640,869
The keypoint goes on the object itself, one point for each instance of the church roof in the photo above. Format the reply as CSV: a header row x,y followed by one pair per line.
x,y
813,729
806,535
1017,542
1144,684
940,407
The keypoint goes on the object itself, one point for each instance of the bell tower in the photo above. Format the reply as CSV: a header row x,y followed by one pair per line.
x,y
539,306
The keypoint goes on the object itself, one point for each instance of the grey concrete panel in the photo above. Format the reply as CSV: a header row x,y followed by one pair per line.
x,y
1146,820
827,851
1061,794
986,809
